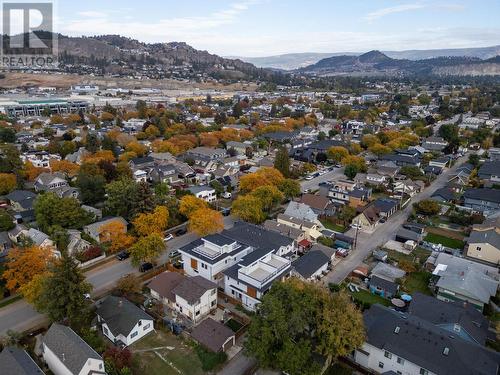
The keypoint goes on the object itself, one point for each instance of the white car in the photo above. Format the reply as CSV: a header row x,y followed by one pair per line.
x,y
309,177
356,226
168,237
226,195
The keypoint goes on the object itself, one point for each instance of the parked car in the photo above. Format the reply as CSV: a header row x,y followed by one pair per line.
x,y
226,195
122,255
226,211
144,267
174,254
168,237
342,252
309,177
181,231
356,226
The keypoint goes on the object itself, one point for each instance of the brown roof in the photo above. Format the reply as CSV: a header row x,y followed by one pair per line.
x,y
211,334
318,202
192,288
165,282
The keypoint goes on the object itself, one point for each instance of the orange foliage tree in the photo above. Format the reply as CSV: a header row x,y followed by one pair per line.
x,y
205,221
24,264
31,172
64,166
115,235
154,222
190,204
8,182
264,176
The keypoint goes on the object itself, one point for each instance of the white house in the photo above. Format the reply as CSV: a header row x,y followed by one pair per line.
x,y
123,322
50,181
204,192
67,354
140,175
194,297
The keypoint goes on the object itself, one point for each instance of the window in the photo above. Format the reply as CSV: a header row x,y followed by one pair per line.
x,y
100,366
134,334
387,354
146,326
401,361
197,313
478,248
213,303
140,323
423,371
105,330
381,364
213,292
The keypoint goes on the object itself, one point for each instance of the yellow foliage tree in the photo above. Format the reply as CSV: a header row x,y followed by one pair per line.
x,y
137,147
264,176
64,166
337,153
24,264
32,290
357,161
154,222
114,233
99,156
8,182
205,221
190,204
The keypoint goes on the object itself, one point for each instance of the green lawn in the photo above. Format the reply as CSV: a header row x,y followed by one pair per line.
x,y
335,227
445,241
178,354
365,298
420,253
417,282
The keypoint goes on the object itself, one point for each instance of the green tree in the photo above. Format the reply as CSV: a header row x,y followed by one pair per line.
x,y
92,143
474,160
121,195
282,162
91,182
50,210
217,186
427,207
9,159
350,171
449,132
237,110
411,171
290,188
143,201
6,221
299,322
141,108
62,295
147,249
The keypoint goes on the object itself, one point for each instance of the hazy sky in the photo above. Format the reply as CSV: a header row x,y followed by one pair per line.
x,y
269,27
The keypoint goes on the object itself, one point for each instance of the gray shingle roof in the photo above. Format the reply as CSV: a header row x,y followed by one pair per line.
x,y
211,334
120,314
490,195
423,343
15,361
192,288
487,236
69,347
310,263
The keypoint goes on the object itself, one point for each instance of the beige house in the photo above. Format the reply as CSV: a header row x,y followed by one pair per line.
x,y
310,229
483,244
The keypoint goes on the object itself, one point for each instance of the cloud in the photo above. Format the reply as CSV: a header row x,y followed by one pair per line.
x,y
391,10
92,14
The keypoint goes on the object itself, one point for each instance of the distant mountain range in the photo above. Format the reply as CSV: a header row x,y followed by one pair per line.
x,y
293,61
376,63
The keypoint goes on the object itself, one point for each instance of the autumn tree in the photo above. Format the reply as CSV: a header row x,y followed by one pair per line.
x,y
114,234
337,153
8,182
68,168
6,221
190,203
147,249
427,207
205,221
264,176
24,264
269,196
299,322
379,149
154,222
248,208
128,284
357,161
290,188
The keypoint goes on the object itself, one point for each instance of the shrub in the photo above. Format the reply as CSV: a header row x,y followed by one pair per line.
x,y
209,360
88,254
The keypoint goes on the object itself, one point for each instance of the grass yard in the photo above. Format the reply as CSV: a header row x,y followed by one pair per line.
x,y
417,282
366,299
335,227
445,241
178,355
420,253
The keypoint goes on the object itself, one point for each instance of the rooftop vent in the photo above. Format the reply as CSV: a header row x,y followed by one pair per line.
x,y
446,351
396,330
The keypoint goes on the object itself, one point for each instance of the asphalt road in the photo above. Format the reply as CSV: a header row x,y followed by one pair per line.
x,y
20,316
384,232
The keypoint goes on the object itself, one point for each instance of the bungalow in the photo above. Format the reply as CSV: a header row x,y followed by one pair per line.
x,y
485,200
490,172
321,205
213,335
301,211
123,322
444,195
434,144
21,200
67,354
50,181
382,208
95,230
402,160
311,266
483,243
194,297
460,177
463,280
15,361
239,147
408,186
399,343
383,287
310,229
294,233
403,235
441,162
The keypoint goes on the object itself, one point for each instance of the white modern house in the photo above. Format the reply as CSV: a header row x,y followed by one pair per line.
x,y
204,192
194,297
67,354
123,322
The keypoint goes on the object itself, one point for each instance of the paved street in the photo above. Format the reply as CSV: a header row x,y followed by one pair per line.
x,y
20,316
384,232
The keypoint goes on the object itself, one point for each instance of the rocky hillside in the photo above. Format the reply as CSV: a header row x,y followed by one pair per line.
x,y
377,63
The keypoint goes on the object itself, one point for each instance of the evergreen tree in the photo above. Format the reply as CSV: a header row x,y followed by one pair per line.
x,y
282,162
143,201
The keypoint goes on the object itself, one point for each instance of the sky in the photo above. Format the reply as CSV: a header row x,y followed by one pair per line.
x,y
270,27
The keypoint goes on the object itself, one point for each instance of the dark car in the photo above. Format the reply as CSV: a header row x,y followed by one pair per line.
x,y
181,231
122,255
146,267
